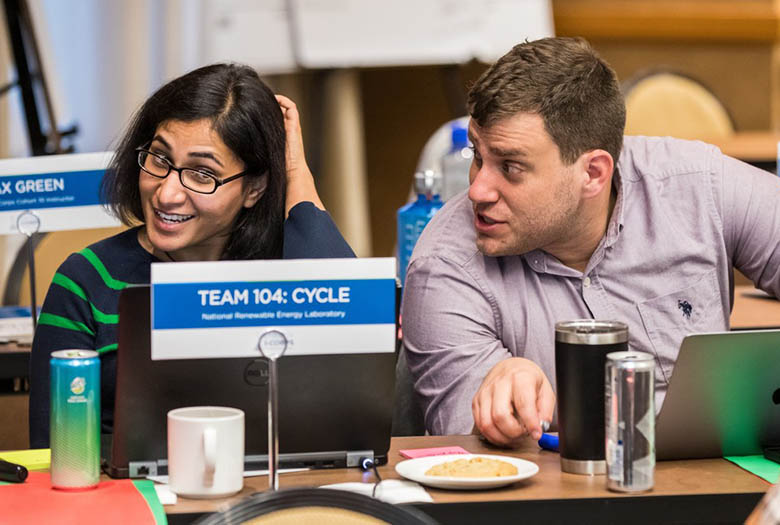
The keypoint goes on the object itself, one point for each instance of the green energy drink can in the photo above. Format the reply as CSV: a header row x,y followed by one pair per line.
x,y
75,419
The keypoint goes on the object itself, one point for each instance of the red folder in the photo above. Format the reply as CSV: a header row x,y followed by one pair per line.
x,y
112,501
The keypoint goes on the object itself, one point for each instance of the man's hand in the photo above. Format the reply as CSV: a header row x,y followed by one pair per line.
x,y
300,183
513,399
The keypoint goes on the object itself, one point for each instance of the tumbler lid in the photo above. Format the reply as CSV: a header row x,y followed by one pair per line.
x,y
591,332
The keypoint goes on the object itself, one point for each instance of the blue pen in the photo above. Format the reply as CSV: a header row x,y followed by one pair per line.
x,y
549,442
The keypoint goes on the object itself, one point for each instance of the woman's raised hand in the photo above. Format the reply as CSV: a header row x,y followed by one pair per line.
x,y
300,182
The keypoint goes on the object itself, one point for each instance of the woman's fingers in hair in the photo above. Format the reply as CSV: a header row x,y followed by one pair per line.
x,y
295,154
285,102
292,124
289,109
300,183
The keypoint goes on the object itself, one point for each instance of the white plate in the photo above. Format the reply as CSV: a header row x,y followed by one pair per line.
x,y
414,469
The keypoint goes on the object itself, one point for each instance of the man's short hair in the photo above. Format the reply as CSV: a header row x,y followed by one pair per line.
x,y
564,81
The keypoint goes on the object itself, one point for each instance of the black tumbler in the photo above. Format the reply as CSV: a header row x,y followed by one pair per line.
x,y
581,349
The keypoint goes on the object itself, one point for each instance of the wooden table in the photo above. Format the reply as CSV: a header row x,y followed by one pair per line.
x,y
709,490
758,148
753,309
750,146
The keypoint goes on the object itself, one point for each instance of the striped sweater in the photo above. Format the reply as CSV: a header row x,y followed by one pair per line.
x,y
81,306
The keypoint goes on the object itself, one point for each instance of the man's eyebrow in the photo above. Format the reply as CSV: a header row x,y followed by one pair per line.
x,y
499,152
517,152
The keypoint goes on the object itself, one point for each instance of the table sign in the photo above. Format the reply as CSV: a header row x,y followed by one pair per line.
x,y
51,193
60,192
321,306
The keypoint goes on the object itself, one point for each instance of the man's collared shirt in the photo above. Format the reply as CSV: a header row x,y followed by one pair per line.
x,y
685,214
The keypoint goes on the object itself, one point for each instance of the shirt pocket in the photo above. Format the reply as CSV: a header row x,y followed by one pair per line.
x,y
669,318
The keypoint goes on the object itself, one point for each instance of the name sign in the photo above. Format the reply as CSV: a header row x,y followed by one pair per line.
x,y
63,191
321,306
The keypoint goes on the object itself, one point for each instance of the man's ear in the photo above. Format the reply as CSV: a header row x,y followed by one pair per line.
x,y
255,190
598,165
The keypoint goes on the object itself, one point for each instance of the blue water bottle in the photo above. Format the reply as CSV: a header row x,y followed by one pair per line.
x,y
413,217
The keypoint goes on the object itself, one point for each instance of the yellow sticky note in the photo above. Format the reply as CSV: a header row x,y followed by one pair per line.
x,y
33,459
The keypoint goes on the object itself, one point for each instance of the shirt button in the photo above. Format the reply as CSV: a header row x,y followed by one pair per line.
x,y
586,282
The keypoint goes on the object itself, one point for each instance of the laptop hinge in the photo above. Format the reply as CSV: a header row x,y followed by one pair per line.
x,y
141,469
354,457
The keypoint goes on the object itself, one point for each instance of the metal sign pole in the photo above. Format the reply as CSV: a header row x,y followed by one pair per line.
x,y
272,345
29,223
273,429
31,268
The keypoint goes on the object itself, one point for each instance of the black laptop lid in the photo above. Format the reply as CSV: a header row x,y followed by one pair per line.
x,y
327,403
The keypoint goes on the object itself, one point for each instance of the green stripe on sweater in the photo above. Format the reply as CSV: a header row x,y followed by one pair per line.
x,y
95,261
64,322
67,283
108,348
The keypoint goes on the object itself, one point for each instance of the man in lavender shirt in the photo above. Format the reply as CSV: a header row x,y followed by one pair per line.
x,y
567,219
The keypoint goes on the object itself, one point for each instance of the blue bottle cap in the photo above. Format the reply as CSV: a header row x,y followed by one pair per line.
x,y
460,137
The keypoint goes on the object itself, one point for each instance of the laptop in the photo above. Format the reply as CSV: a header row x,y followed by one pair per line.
x,y
333,409
723,398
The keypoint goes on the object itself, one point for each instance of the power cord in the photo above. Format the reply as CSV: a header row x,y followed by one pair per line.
x,y
367,464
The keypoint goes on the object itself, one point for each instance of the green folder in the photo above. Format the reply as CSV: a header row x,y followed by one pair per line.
x,y
758,465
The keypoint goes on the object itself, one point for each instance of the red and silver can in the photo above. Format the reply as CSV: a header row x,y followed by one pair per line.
x,y
630,421
75,419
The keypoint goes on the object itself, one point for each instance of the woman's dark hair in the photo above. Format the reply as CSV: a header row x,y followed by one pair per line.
x,y
246,116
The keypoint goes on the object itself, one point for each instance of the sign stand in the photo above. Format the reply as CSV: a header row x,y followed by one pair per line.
x,y
272,345
29,223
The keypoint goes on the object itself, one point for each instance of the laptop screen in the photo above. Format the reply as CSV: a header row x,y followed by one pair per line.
x,y
723,398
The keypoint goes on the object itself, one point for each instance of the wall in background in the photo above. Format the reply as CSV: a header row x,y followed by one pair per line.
x,y
403,107
108,55
727,44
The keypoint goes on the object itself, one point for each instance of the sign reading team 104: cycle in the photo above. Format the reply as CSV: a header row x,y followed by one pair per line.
x,y
321,306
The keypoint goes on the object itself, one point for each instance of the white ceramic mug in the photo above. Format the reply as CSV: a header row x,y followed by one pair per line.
x,y
206,451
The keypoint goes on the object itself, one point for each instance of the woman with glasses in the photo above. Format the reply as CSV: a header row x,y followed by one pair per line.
x,y
210,168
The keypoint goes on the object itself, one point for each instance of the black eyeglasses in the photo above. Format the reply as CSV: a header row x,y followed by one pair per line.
x,y
192,179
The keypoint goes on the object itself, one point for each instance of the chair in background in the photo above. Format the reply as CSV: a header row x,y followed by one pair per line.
x,y
14,427
51,249
305,506
408,417
666,103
